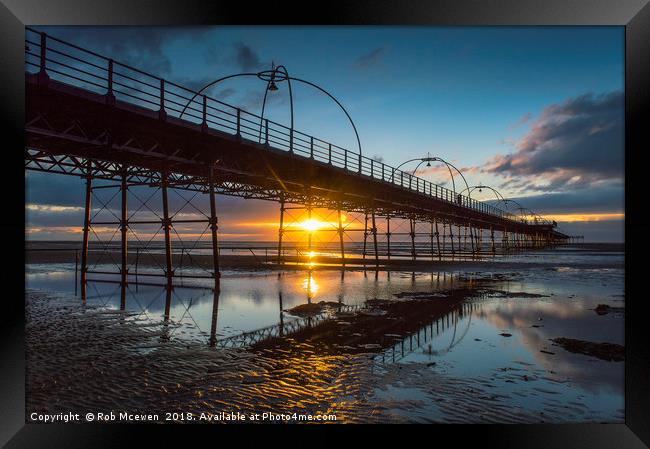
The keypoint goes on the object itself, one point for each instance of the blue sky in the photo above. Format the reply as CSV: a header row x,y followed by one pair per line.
x,y
532,111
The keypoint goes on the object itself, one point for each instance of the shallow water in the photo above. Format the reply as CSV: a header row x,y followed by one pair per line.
x,y
456,368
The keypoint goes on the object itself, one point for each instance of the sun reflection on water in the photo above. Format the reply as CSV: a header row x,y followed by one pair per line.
x,y
310,285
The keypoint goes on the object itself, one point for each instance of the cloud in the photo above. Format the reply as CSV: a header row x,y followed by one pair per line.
x,y
246,58
60,190
369,59
599,231
522,121
218,90
139,47
54,200
579,142
605,199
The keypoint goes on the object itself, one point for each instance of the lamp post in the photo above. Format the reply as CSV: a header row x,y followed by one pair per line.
x,y
428,159
274,76
480,187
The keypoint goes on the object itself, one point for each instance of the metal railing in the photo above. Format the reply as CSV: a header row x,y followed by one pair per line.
x,y
71,64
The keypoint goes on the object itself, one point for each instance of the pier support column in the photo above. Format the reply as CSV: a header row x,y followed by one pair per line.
x,y
215,313
168,305
471,237
431,235
341,238
365,234
123,296
374,238
169,272
214,227
86,229
438,240
451,239
124,227
412,234
310,233
464,237
281,230
459,243
444,237
492,239
388,235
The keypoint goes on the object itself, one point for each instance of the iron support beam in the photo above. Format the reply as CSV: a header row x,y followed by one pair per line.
x,y
412,234
166,223
374,238
215,313
492,238
281,230
214,225
388,235
309,233
341,238
431,234
471,237
365,234
438,240
86,229
124,228
451,239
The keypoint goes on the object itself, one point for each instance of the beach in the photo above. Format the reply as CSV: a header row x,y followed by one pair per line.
x,y
532,337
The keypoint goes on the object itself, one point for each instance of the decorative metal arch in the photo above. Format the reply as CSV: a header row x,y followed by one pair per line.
x,y
271,77
437,159
481,186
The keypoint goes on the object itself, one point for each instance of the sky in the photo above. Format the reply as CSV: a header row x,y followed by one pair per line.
x,y
534,112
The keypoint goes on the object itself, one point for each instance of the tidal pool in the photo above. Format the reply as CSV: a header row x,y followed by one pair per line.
x,y
487,357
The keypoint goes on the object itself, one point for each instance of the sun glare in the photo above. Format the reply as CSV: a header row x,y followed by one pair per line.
x,y
311,225
310,285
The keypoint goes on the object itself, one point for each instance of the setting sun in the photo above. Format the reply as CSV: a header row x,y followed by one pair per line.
x,y
312,225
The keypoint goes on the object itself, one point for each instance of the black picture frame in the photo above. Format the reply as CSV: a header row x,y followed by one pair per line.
x,y
634,15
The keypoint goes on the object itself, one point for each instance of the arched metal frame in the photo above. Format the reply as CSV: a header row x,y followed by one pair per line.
x,y
521,209
437,159
532,213
271,76
481,186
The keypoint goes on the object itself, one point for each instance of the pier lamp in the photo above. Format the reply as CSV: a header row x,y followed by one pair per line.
x,y
480,188
273,77
428,159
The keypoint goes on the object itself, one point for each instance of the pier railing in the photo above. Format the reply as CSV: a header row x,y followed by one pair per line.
x,y
71,64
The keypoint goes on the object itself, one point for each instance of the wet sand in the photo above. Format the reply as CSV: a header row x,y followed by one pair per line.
x,y
260,261
92,359
486,344
603,351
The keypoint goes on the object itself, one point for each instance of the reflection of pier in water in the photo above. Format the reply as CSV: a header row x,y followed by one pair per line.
x,y
140,308
458,318
131,295
426,334
282,329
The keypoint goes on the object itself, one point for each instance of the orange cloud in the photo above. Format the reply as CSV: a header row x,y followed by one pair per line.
x,y
572,217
